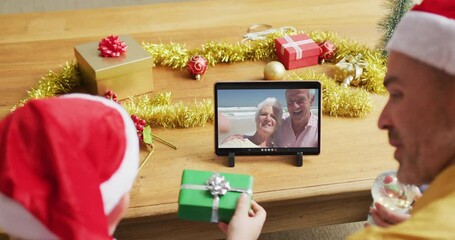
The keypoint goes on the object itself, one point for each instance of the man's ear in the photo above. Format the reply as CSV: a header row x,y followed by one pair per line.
x,y
312,100
114,217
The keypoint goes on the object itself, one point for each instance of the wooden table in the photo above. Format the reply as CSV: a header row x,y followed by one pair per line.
x,y
331,188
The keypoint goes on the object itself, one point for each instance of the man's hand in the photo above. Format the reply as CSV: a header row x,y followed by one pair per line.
x,y
383,217
245,224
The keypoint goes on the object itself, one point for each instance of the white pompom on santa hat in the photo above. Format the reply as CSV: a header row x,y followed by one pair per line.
x,y
427,33
65,163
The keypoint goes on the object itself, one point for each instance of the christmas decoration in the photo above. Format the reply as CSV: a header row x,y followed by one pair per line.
x,y
176,56
297,51
392,194
111,47
140,125
111,96
197,65
327,51
128,75
160,112
349,69
274,70
337,101
211,197
144,133
54,84
397,8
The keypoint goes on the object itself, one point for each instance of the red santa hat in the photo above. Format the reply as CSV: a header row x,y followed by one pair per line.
x,y
427,33
64,165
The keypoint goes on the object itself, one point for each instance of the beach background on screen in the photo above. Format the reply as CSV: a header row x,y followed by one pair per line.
x,y
240,106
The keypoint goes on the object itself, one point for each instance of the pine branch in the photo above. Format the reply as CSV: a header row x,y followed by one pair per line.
x,y
388,24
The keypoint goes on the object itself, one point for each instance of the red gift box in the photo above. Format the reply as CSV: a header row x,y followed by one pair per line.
x,y
297,51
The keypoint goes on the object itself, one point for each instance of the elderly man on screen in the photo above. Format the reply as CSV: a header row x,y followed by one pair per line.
x,y
300,129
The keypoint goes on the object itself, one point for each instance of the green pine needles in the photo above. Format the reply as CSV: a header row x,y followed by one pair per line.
x,y
388,24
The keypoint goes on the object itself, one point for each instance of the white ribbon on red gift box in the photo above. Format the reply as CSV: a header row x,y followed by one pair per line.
x,y
295,45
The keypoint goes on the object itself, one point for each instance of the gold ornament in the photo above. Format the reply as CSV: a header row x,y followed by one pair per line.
x,y
349,70
274,70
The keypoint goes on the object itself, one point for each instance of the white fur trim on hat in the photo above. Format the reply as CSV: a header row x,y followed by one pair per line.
x,y
426,37
19,219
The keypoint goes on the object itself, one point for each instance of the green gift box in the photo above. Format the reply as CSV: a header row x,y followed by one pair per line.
x,y
210,196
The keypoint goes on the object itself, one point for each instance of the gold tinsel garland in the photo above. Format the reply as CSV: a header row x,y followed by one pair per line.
x,y
373,76
176,55
338,101
54,84
160,111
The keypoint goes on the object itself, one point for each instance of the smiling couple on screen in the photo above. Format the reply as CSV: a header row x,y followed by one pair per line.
x,y
300,129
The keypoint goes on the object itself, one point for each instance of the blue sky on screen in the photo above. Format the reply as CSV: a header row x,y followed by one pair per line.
x,y
251,97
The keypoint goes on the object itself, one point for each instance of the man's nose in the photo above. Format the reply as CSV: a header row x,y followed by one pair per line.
x,y
384,121
294,104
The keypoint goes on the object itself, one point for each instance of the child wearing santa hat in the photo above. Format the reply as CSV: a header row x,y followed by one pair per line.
x,y
67,165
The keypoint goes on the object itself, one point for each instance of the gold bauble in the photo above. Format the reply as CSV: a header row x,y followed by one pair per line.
x,y
274,70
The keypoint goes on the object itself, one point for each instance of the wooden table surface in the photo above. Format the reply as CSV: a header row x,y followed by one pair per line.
x,y
331,188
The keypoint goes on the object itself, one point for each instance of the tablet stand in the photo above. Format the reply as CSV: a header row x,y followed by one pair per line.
x,y
231,160
299,159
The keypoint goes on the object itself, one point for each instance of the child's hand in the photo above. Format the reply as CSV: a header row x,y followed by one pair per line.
x,y
245,224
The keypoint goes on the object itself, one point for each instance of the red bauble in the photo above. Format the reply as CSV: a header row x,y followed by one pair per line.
x,y
111,47
328,50
197,66
140,125
109,94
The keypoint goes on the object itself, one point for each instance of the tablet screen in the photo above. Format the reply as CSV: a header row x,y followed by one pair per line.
x,y
267,118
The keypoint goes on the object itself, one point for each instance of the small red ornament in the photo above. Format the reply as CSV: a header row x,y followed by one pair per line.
x,y
197,66
140,125
111,47
109,94
328,50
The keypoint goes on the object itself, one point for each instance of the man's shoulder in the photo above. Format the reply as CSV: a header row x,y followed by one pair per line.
x,y
314,119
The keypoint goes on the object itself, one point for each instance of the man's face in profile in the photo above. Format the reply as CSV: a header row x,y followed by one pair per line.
x,y
419,118
299,102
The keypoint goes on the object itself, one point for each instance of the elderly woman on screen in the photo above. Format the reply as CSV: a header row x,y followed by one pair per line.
x,y
268,118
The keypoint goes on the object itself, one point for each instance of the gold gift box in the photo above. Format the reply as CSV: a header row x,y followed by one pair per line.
x,y
348,70
127,75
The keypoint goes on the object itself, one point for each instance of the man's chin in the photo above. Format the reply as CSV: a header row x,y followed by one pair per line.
x,y
298,116
408,176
